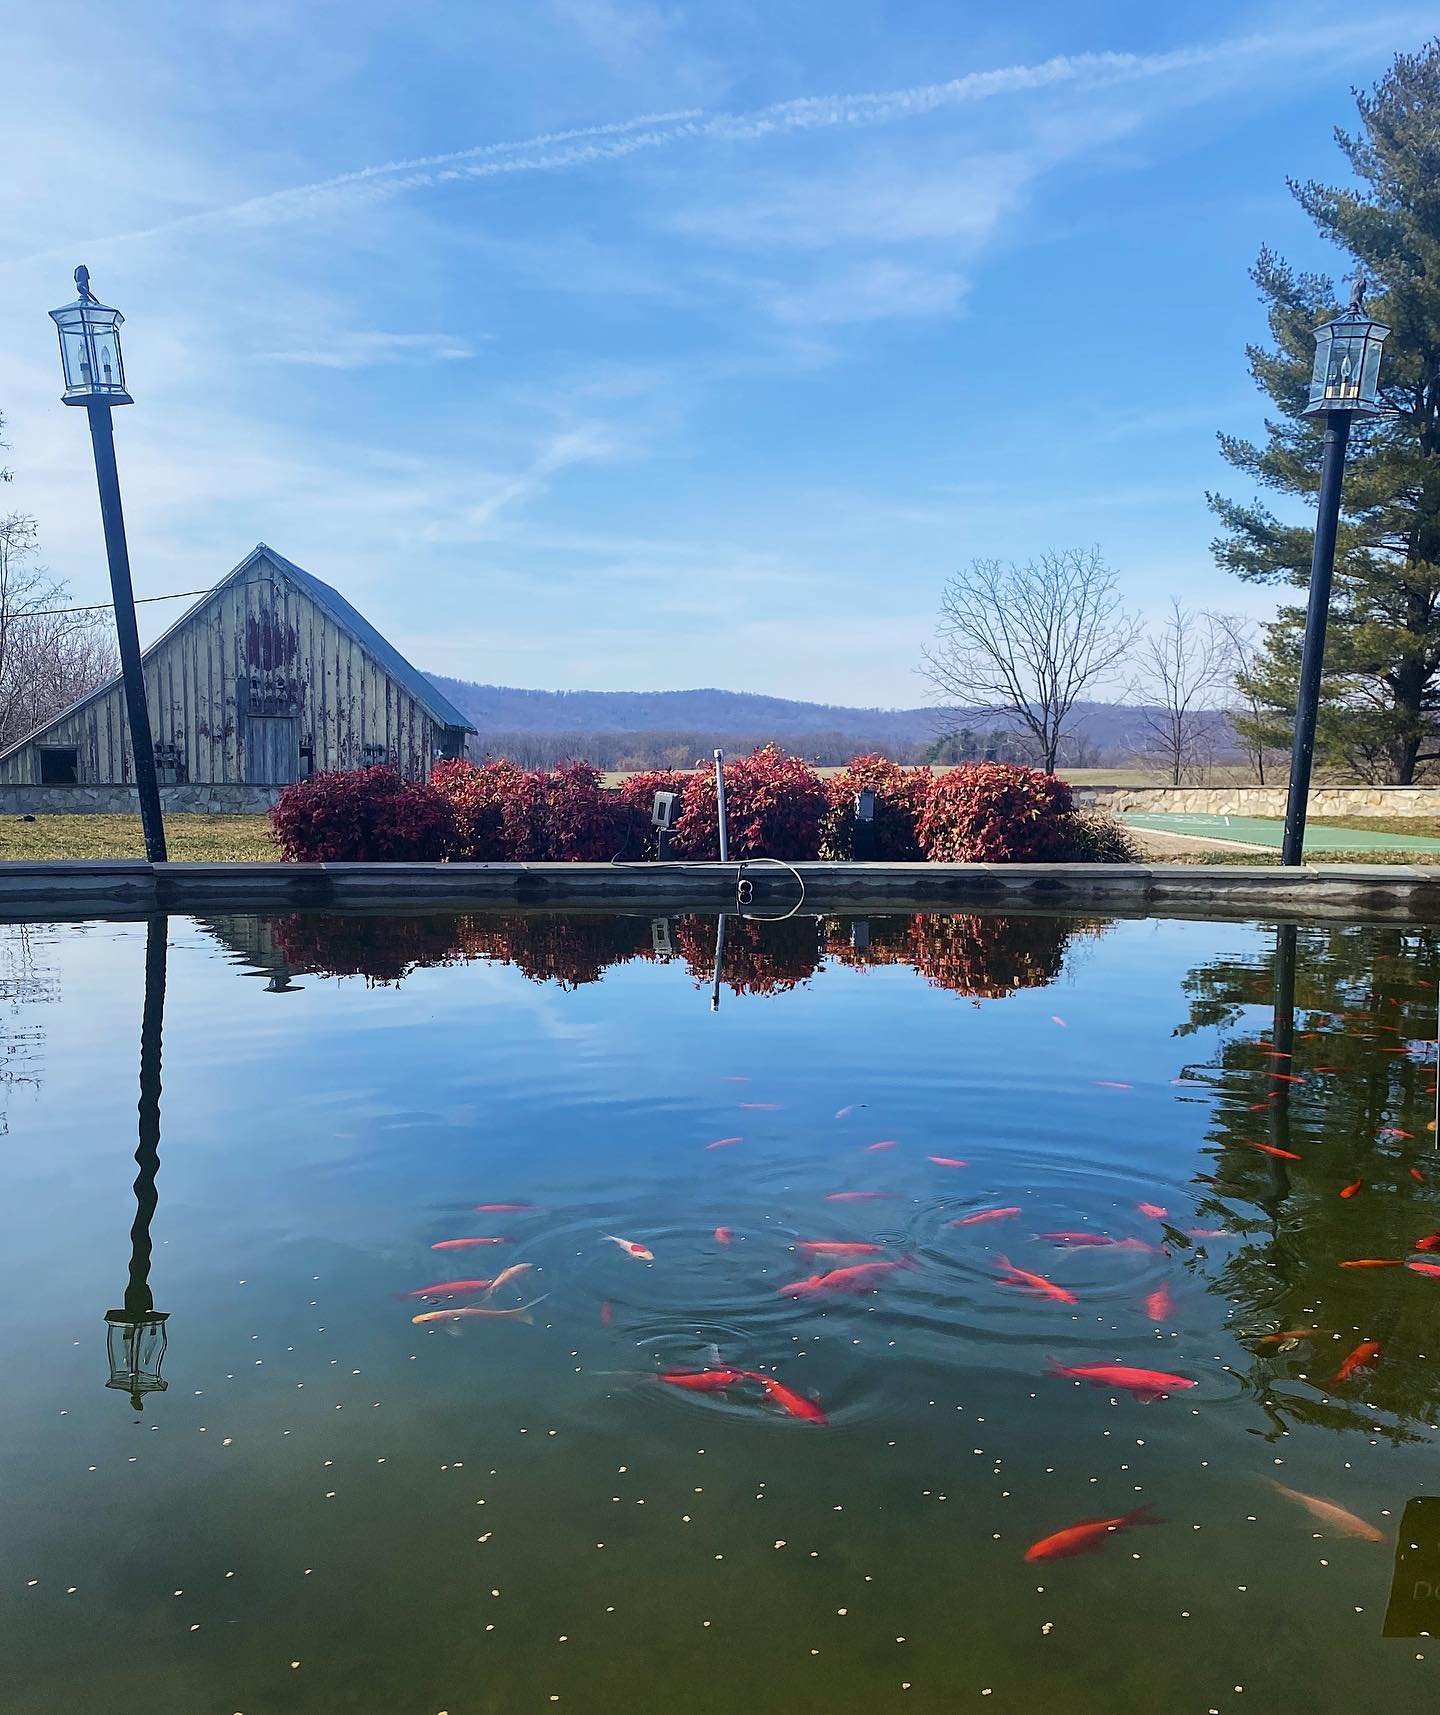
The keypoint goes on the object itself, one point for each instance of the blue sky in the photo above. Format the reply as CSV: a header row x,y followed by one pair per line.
x,y
620,344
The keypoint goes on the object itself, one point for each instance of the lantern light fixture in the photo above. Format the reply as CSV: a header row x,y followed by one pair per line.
x,y
90,348
1346,376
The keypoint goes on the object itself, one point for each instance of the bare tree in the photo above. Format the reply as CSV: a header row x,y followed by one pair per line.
x,y
1180,668
49,657
1249,715
1024,642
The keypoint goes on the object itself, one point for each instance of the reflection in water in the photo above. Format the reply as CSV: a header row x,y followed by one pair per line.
x,y
135,1334
982,957
1323,1151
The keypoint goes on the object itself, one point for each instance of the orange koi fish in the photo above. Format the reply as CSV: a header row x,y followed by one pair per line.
x,y
449,1289
1110,1084
1154,1210
702,1381
946,1161
1160,1306
503,1208
1145,1384
857,1196
1284,1077
795,1404
1430,1268
1373,1262
1338,1518
1395,1131
630,1248
1272,1149
1417,1175
520,1315
1353,1189
761,1107
722,1235
1022,1277
1088,1535
984,1215
836,1247
1287,1336
724,1142
1208,1232
467,1244
1431,1242
1365,1354
884,1143
858,1277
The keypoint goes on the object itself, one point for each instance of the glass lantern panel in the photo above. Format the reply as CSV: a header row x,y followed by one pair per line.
x,y
136,1352
75,354
1343,369
1370,372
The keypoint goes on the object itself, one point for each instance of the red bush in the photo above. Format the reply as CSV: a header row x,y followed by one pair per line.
x,y
365,815
478,799
899,798
582,821
774,806
636,794
505,813
995,812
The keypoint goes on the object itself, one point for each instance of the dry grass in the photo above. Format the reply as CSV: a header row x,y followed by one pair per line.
x,y
189,839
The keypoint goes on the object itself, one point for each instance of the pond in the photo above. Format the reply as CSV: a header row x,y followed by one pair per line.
x,y
931,1312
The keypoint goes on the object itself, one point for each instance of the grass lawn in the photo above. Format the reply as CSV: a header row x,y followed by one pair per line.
x,y
188,839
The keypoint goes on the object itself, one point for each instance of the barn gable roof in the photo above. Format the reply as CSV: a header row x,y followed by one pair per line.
x,y
386,655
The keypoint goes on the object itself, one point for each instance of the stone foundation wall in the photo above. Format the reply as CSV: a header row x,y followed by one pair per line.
x,y
1264,800
122,800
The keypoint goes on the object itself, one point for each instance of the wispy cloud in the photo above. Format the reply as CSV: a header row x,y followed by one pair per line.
x,y
356,350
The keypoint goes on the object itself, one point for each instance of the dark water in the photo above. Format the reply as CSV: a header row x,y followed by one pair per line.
x,y
331,1508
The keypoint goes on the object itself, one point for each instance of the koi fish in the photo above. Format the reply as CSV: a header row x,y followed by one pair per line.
x,y
858,1277
1077,1238
1208,1232
722,1235
1353,1189
724,1142
520,1315
836,1247
795,1404
1110,1084
1417,1175
1145,1384
1287,1336
1160,1306
1284,1077
1430,1268
761,1107
1365,1354
1153,1210
1431,1242
1055,1018
1337,1517
607,1314
702,1381
946,1161
884,1143
984,1215
1373,1262
1273,1149
467,1244
1395,1132
449,1289
857,1196
1022,1277
503,1208
630,1248
845,1113
1088,1535
508,1274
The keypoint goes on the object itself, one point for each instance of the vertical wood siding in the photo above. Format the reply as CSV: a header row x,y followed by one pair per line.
x,y
263,629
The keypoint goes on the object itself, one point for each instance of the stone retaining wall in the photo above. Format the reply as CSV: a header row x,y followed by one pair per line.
x,y
122,800
1264,800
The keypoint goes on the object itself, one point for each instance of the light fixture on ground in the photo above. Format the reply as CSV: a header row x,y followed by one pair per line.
x,y
1345,384
95,378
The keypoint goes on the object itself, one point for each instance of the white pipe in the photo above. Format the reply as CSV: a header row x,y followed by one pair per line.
x,y
720,806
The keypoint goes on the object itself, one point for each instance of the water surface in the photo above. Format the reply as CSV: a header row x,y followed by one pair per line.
x,y
329,1507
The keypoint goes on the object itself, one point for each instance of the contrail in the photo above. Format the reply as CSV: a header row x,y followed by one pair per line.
x,y
559,151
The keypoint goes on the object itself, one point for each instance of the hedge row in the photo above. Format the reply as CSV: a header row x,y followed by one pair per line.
x,y
776,806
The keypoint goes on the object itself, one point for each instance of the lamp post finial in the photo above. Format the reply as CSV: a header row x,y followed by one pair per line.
x,y
82,284
1357,294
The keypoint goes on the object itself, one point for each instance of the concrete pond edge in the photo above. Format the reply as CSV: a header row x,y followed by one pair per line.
x,y
97,887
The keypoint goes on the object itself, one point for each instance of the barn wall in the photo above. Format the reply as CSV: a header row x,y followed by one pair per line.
x,y
262,644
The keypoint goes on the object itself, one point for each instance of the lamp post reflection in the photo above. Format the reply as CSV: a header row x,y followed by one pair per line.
x,y
135,1333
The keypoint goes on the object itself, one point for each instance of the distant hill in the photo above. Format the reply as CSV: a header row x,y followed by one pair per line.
x,y
630,729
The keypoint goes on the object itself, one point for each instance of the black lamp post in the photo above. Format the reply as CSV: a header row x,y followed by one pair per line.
x,y
95,378
135,1336
1344,384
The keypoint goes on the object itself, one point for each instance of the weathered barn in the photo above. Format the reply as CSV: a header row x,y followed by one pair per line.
x,y
269,677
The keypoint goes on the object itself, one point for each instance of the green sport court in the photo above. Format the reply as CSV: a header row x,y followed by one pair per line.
x,y
1268,833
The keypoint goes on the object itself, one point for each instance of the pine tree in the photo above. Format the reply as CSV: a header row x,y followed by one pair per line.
x,y
1380,709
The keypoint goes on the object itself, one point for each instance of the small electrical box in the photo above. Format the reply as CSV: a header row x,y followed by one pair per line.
x,y
663,815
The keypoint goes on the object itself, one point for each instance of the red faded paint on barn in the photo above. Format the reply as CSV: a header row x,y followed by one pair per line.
x,y
269,642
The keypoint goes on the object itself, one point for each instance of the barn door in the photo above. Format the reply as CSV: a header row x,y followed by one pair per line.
x,y
272,756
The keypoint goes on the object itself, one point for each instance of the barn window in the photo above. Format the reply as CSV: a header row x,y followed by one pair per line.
x,y
59,766
374,755
169,763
